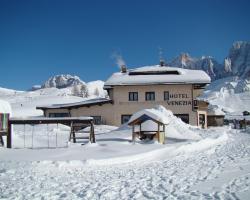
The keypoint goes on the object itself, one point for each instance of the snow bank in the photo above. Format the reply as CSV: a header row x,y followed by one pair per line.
x,y
175,127
5,107
203,144
153,113
162,153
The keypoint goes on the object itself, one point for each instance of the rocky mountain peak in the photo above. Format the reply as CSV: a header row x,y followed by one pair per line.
x,y
63,81
239,55
237,63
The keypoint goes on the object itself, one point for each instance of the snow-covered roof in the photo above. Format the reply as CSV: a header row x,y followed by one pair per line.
x,y
158,75
152,113
214,110
82,118
90,102
237,117
5,107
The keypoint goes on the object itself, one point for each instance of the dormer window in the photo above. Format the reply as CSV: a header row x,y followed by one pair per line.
x,y
167,72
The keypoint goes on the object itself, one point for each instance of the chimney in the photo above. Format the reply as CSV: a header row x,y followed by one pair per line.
x,y
162,62
123,69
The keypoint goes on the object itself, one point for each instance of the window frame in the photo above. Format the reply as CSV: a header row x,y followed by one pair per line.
x,y
54,115
164,95
95,119
133,96
122,118
150,95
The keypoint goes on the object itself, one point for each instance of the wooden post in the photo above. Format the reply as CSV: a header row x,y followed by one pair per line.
x,y
92,133
1,140
74,136
72,133
164,132
158,133
9,134
140,132
133,133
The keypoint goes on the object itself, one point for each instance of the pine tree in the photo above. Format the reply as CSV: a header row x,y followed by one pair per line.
x,y
76,90
97,93
84,91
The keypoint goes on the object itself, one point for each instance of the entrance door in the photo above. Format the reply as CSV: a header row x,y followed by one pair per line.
x,y
202,120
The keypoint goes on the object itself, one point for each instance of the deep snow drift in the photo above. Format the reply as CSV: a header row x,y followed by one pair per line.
x,y
175,127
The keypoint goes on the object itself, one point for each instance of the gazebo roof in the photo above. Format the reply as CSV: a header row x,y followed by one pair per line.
x,y
148,114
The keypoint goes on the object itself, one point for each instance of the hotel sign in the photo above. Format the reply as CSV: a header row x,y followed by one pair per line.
x,y
177,99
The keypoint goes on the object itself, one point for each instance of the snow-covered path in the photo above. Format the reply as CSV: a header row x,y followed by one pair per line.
x,y
220,172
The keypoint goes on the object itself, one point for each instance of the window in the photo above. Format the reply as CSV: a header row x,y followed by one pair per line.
x,y
125,119
150,96
97,120
133,96
166,72
184,117
58,114
166,96
195,104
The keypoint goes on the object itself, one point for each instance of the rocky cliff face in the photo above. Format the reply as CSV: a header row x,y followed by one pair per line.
x,y
63,81
237,63
239,55
205,63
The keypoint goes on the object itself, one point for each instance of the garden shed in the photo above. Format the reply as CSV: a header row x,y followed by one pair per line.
x,y
5,112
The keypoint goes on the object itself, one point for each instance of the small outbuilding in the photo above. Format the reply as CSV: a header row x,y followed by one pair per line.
x,y
148,124
215,116
5,112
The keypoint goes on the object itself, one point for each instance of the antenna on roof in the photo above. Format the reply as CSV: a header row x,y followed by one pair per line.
x,y
162,61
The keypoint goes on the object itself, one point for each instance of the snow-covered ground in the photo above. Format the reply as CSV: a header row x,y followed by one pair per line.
x,y
193,164
216,167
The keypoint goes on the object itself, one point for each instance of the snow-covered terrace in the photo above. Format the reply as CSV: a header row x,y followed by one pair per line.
x,y
158,75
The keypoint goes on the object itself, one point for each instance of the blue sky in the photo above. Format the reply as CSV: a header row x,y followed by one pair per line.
x,y
42,38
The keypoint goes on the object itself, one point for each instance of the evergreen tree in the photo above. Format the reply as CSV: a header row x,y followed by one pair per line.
x,y
97,93
84,91
76,90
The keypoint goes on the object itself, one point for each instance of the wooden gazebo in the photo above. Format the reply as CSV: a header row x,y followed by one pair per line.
x,y
154,132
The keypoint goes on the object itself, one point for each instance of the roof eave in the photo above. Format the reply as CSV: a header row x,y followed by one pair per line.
x,y
74,106
153,83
